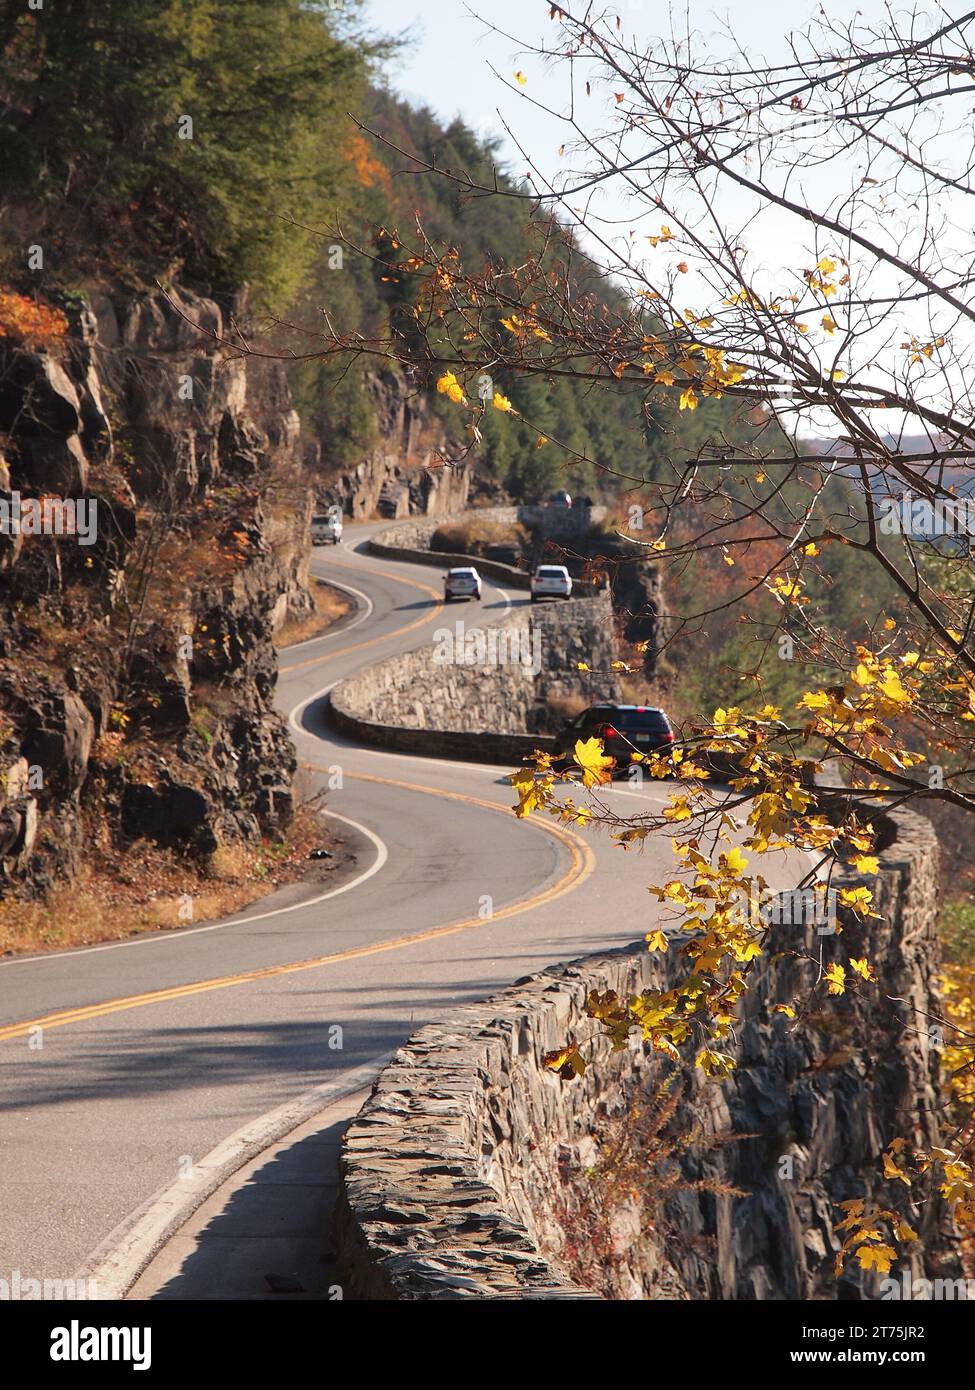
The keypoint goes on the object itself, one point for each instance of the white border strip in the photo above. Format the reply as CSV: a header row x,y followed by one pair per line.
x,y
367,606
117,1262
382,854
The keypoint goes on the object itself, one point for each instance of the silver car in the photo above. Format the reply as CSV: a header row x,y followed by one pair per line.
x,y
551,581
462,582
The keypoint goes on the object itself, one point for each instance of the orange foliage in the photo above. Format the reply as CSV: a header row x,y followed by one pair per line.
x,y
368,171
26,321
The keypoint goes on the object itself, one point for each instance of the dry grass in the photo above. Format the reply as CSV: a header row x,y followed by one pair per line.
x,y
559,709
473,536
144,888
330,605
641,1168
660,692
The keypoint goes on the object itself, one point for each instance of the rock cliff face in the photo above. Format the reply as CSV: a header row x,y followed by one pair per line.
x,y
466,1174
137,668
409,474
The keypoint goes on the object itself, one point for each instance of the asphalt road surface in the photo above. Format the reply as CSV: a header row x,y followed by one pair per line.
x,y
161,1047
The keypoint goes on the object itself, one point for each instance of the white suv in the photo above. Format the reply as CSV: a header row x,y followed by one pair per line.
x,y
551,581
461,583
326,527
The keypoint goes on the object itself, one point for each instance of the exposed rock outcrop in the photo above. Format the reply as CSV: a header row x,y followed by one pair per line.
x,y
137,671
411,473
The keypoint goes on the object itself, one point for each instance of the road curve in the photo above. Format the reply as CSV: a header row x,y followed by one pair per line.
x,y
123,1066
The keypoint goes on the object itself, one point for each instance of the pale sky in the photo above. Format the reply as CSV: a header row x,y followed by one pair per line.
x,y
457,64
448,66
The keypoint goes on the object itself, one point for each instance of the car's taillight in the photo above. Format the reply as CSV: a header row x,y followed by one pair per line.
x,y
668,738
610,732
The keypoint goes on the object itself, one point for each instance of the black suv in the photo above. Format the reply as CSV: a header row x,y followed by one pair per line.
x,y
624,730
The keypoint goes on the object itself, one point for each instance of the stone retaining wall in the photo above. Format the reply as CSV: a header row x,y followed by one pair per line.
x,y
409,541
464,1174
442,699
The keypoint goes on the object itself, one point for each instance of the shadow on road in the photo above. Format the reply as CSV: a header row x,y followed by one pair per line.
x,y
268,1236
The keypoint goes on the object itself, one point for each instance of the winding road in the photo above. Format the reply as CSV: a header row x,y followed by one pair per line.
x,y
153,1051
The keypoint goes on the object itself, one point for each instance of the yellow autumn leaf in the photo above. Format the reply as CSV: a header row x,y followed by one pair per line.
x,y
866,864
566,1061
590,757
891,1170
863,675
878,1257
688,399
656,941
857,898
734,862
501,402
786,589
520,78
893,689
836,979
714,1063
449,386
863,968
786,1009
527,788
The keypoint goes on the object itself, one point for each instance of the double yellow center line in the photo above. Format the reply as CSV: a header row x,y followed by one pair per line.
x,y
580,867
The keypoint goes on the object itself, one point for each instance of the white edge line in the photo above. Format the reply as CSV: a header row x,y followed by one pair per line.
x,y
382,854
129,1249
368,608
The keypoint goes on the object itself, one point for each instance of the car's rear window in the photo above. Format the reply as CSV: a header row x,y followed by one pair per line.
x,y
643,719
321,520
627,720
462,574
550,572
